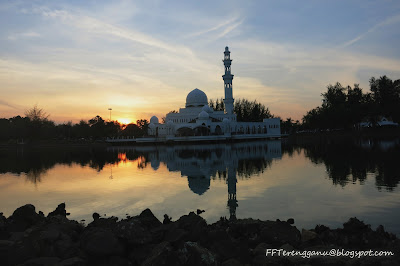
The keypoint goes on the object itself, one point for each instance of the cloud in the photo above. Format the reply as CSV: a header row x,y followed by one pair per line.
x,y
23,35
7,104
386,22
93,25
214,28
230,28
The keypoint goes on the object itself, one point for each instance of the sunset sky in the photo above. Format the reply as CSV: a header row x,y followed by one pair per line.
x,y
76,59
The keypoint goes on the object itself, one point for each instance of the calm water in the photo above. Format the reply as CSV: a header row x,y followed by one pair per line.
x,y
313,183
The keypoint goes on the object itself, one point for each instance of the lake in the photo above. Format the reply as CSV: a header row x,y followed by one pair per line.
x,y
315,182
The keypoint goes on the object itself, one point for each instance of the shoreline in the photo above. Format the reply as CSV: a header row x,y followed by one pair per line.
x,y
28,237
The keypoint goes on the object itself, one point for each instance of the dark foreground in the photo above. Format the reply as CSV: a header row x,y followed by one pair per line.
x,y
30,238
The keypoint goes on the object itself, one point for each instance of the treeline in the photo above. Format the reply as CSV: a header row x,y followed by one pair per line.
x,y
345,107
37,126
245,110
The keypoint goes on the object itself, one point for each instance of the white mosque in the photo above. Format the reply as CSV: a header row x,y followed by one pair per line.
x,y
198,121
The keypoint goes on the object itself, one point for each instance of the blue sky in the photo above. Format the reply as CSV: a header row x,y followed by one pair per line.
x,y
76,59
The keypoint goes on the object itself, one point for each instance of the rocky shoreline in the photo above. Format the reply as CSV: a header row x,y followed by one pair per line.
x,y
31,238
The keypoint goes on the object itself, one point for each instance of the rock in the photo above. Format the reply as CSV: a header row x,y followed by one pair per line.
x,y
118,261
100,243
148,219
231,262
261,249
109,223
319,229
60,210
162,254
195,255
354,225
4,244
199,211
279,233
75,261
287,247
16,236
3,220
42,261
96,216
195,225
219,242
167,219
20,252
5,247
290,221
65,247
24,217
133,232
49,235
175,235
307,235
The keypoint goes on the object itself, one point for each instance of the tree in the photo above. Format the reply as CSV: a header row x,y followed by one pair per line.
x,y
36,114
245,110
132,130
38,119
143,124
386,96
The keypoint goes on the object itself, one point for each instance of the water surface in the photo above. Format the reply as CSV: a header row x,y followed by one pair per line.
x,y
314,183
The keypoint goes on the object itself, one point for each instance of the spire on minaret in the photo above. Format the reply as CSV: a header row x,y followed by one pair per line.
x,y
228,77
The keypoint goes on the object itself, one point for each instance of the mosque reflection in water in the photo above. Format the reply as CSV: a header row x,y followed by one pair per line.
x,y
201,163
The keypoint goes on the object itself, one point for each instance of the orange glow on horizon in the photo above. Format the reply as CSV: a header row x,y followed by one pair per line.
x,y
124,121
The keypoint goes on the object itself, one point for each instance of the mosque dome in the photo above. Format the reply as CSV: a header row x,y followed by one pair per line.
x,y
196,98
207,109
225,120
203,115
152,126
154,120
198,185
155,164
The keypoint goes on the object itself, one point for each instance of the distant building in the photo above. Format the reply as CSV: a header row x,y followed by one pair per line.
x,y
382,122
199,119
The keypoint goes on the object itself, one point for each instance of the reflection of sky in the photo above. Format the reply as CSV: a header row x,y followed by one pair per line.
x,y
291,187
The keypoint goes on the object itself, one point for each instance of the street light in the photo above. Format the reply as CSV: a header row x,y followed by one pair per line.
x,y
110,113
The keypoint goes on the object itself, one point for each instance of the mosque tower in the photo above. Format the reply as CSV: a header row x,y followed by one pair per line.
x,y
232,201
228,101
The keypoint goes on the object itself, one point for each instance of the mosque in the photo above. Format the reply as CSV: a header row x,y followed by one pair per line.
x,y
198,121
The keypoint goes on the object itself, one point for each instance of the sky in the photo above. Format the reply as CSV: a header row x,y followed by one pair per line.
x,y
76,59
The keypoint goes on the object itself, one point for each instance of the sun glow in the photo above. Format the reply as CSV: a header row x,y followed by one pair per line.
x,y
124,121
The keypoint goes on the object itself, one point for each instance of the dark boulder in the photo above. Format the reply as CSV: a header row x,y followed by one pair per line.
x,y
42,261
133,232
279,233
195,255
74,261
101,243
60,210
148,219
353,225
195,225
162,254
23,218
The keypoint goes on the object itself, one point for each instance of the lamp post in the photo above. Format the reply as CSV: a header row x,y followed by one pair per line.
x,y
109,109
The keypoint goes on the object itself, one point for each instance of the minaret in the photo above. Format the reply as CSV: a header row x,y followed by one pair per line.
x,y
228,101
232,201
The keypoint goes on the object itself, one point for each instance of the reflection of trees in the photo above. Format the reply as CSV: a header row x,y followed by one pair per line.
x,y
36,162
35,175
247,168
348,161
